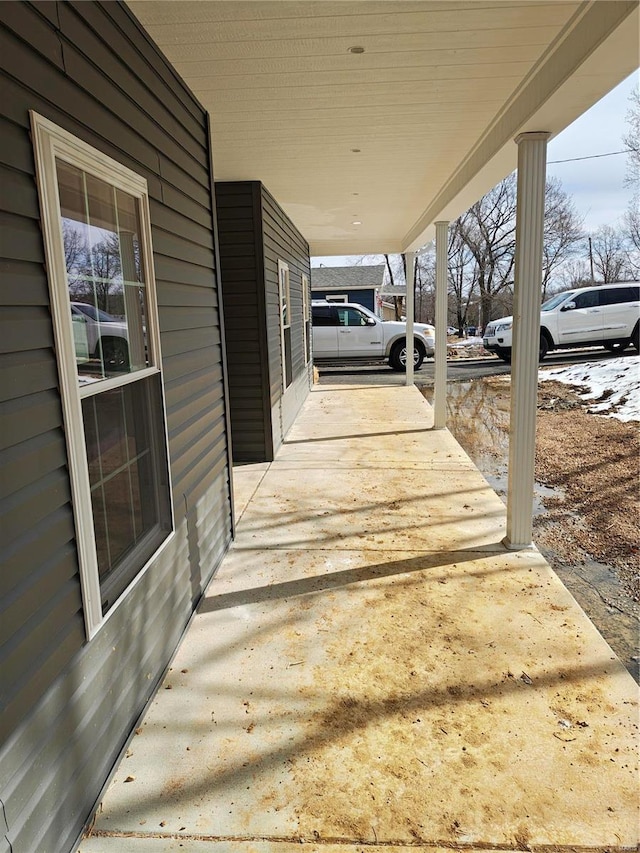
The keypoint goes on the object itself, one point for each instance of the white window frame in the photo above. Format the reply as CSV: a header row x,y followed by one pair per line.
x,y
337,298
50,143
284,299
306,316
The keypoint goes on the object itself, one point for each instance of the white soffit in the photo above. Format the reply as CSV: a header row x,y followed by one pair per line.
x,y
411,130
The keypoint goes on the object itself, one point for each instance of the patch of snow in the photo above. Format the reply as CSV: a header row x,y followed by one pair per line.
x,y
467,342
614,385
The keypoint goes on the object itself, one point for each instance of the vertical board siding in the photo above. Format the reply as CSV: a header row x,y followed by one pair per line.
x,y
68,705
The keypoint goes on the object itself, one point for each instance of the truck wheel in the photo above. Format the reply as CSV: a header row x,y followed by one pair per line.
x,y
504,354
635,338
398,356
115,353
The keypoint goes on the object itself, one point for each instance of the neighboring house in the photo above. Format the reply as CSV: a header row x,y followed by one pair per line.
x,y
116,473
349,284
393,297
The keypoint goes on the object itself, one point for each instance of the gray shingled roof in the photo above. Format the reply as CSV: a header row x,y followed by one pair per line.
x,y
393,290
341,278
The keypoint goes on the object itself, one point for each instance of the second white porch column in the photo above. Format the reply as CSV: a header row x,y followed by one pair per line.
x,y
440,381
410,258
532,165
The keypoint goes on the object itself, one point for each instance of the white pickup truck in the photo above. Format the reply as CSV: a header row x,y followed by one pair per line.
x,y
346,331
607,315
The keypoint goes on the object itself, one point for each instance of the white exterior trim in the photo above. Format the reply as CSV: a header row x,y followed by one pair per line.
x,y
440,355
532,167
306,316
410,260
284,298
50,143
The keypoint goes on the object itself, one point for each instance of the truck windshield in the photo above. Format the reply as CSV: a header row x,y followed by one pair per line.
x,y
555,300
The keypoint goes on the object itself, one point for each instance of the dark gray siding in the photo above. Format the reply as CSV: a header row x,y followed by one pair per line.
x,y
283,241
68,706
254,234
242,273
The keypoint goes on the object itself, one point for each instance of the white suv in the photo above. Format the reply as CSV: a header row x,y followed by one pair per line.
x,y
98,335
346,331
608,314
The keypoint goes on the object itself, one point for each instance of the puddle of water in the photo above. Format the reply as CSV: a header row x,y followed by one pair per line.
x,y
479,421
478,418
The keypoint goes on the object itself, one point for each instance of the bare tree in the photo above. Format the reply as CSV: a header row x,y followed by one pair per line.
x,y
631,139
394,277
488,230
562,231
631,223
461,274
610,260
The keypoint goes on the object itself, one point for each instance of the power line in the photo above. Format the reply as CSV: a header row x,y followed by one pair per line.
x,y
591,156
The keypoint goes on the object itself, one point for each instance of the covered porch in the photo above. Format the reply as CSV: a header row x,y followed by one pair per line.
x,y
371,666
376,124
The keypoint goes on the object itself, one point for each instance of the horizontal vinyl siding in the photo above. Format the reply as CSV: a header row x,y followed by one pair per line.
x,y
69,705
240,236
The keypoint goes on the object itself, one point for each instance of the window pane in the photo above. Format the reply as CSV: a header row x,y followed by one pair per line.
x,y
107,293
125,448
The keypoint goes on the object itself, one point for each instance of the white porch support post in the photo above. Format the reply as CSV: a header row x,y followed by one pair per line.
x,y
440,382
410,261
532,163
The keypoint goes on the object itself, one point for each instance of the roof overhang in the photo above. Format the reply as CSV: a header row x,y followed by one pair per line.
x,y
412,130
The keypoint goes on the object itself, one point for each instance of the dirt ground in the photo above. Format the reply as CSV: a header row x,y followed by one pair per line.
x,y
587,524
596,462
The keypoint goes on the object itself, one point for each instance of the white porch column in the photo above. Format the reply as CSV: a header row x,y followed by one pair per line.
x,y
410,260
532,163
440,381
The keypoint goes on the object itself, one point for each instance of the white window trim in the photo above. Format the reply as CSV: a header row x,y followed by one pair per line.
x,y
283,267
337,298
50,143
306,315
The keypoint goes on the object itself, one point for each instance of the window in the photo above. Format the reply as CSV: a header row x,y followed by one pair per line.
x,y
590,299
306,319
98,248
337,297
618,295
284,290
351,317
323,315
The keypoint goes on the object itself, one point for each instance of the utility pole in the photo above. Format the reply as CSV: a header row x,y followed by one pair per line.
x,y
591,260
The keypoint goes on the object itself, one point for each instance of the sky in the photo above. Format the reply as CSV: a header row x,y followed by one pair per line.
x,y
596,185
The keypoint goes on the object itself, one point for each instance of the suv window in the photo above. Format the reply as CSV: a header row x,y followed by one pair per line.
x,y
324,315
351,317
587,300
617,295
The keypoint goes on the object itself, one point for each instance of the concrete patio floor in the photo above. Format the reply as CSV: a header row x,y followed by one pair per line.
x,y
370,667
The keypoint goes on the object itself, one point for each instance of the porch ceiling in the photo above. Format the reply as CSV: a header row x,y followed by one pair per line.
x,y
414,129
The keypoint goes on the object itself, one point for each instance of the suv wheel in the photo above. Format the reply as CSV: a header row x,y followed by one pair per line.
x,y
398,357
544,346
616,346
115,353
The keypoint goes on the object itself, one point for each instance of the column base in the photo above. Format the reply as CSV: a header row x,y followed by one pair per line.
x,y
515,546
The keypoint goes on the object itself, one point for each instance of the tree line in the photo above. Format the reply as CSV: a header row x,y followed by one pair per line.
x,y
481,248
